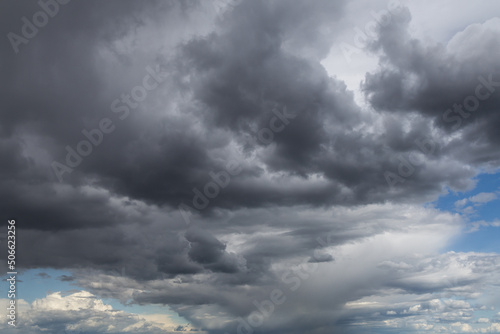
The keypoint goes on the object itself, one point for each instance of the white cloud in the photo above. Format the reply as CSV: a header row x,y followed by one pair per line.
x,y
476,200
477,36
483,198
462,328
77,301
82,312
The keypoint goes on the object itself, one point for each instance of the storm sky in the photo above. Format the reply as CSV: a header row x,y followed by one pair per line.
x,y
252,166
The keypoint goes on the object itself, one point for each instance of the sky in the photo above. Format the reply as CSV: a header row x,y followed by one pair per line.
x,y
247,167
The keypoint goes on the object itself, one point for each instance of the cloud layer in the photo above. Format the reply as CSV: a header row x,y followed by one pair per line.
x,y
199,155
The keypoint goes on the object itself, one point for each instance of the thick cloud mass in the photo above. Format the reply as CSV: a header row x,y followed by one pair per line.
x,y
289,188
221,88
455,85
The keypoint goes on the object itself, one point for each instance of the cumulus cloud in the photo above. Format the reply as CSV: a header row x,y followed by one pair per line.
x,y
81,312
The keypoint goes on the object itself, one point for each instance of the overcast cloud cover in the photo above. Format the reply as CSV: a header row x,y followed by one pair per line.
x,y
255,166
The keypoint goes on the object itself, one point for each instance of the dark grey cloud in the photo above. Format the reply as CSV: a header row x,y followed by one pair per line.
x,y
229,70
222,87
206,250
456,86
66,278
43,275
